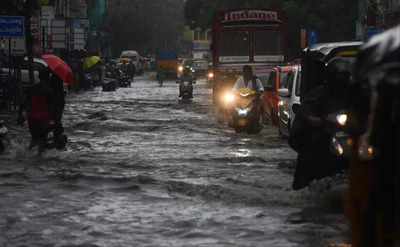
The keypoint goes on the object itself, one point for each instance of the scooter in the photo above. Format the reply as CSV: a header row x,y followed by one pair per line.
x,y
244,111
186,89
3,136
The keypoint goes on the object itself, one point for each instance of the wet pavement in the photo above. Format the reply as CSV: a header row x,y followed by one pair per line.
x,y
143,169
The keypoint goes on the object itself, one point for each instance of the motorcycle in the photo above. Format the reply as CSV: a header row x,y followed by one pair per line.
x,y
243,106
186,89
186,82
3,136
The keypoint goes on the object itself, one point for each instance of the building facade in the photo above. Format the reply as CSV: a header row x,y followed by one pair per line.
x,y
199,42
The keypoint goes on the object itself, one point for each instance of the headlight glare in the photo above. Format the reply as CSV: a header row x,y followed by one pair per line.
x,y
342,119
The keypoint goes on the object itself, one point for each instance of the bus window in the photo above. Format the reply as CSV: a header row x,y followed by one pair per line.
x,y
234,46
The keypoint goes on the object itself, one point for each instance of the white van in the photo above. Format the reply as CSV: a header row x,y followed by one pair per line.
x,y
134,55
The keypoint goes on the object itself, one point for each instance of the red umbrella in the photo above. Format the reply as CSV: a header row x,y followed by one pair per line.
x,y
60,68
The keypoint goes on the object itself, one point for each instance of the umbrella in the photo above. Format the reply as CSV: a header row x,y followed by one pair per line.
x,y
60,68
90,62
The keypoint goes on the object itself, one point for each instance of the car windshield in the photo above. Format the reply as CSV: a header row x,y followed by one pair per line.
x,y
283,80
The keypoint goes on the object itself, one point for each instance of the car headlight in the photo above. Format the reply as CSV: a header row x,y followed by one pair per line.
x,y
229,97
342,119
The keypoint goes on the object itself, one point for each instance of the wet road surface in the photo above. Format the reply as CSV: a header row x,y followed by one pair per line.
x,y
143,169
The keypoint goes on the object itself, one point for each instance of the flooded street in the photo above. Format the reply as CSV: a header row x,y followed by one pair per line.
x,y
143,169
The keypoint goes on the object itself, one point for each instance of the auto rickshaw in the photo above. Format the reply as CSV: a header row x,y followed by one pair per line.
x,y
374,126
319,153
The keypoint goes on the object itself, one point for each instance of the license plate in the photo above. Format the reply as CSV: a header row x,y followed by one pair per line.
x,y
242,122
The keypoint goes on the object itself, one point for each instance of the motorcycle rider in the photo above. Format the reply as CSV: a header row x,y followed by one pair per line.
x,y
309,134
186,76
248,80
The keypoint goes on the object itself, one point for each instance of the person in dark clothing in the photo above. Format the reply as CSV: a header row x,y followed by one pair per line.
x,y
40,102
131,68
57,87
310,136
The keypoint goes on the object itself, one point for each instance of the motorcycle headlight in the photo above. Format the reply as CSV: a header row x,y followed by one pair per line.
x,y
242,112
180,68
210,75
280,103
342,119
229,97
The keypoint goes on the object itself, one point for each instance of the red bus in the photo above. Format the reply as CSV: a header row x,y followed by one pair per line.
x,y
255,37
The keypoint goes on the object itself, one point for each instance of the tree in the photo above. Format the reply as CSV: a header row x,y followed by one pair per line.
x,y
145,26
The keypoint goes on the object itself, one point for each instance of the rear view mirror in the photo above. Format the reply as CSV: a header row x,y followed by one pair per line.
x,y
283,92
295,108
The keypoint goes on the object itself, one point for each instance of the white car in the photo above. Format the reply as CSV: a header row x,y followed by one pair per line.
x,y
289,97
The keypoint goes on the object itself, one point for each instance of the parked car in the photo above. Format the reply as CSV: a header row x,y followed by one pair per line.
x,y
278,79
289,98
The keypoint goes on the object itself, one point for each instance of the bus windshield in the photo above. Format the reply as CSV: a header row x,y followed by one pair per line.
x,y
234,46
268,46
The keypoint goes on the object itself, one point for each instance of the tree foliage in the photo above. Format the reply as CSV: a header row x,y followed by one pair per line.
x,y
145,26
334,19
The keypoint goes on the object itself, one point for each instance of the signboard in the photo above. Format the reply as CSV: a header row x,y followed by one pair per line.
x,y
312,37
251,15
12,26
201,45
18,47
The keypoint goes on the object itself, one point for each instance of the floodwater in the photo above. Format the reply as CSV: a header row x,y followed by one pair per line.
x,y
143,169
